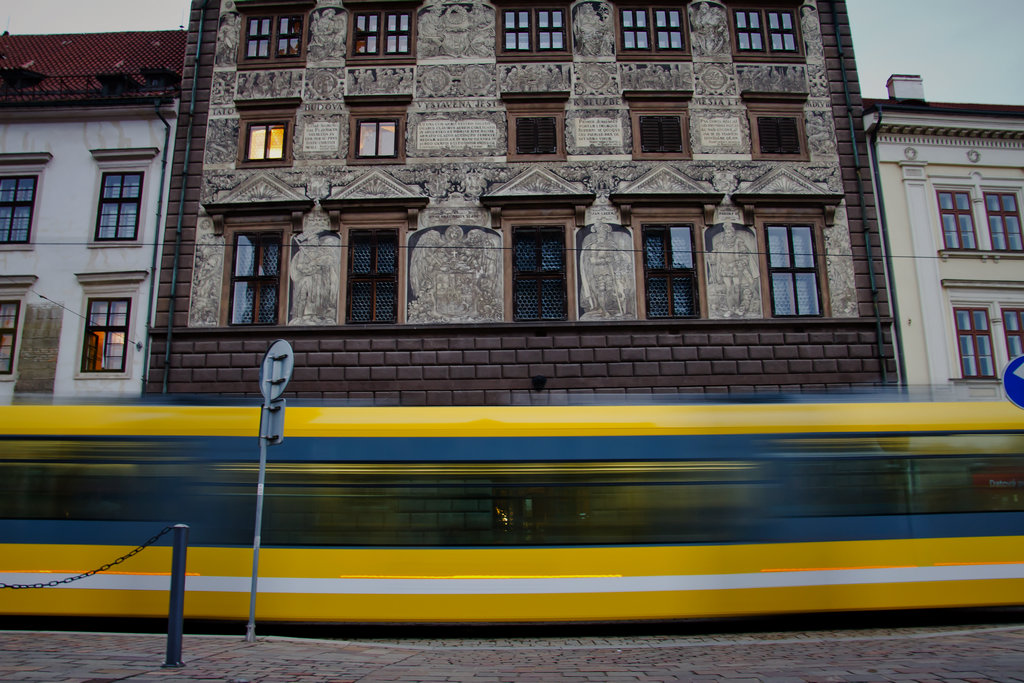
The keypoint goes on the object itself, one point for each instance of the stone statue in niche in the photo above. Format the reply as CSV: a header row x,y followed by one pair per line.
x,y
326,35
709,28
607,284
314,270
227,40
592,29
455,29
734,283
207,276
455,275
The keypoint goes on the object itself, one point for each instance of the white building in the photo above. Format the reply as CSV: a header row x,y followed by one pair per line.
x,y
950,181
84,177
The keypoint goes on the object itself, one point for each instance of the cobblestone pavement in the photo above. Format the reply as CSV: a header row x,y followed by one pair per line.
x,y
971,654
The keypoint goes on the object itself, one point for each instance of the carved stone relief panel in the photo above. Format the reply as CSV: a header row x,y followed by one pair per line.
x,y
811,30
228,34
719,131
656,76
715,78
221,141
539,78
591,131
265,85
222,88
465,134
733,277
325,84
388,80
456,80
817,80
455,29
821,134
607,284
593,30
772,78
207,276
327,33
709,29
597,78
839,263
455,275
315,272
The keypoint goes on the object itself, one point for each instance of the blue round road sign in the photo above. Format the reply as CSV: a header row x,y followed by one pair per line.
x,y
1013,381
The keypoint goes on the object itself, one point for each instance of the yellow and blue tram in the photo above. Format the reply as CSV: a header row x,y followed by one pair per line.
x,y
519,513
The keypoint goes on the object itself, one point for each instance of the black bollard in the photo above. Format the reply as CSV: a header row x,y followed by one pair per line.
x,y
176,611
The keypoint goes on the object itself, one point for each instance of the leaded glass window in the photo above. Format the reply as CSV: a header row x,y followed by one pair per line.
x,y
256,278
669,272
373,276
792,270
539,283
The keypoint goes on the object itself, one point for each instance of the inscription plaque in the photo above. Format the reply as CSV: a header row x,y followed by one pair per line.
x,y
447,134
320,136
598,132
721,132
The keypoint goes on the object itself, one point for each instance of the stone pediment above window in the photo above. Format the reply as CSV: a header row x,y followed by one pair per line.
x,y
262,194
784,187
373,192
666,186
538,188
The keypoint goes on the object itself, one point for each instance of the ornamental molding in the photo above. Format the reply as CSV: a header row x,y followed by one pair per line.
x,y
1013,142
378,185
261,187
537,182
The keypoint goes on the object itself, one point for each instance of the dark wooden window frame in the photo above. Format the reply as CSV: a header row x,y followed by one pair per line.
x,y
97,336
791,269
280,279
524,234
381,10
767,53
661,106
774,112
670,273
1014,331
1005,218
119,202
534,53
9,332
624,53
377,110
266,113
536,109
376,276
977,339
274,11
956,213
7,223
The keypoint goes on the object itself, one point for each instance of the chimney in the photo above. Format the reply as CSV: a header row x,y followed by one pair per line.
x,y
904,88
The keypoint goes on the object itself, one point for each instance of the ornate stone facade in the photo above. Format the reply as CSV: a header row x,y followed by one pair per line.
x,y
458,189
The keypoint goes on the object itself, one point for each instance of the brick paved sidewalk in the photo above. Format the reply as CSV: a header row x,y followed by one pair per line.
x,y
970,654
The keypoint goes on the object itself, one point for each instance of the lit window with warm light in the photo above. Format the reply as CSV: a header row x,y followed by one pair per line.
x,y
106,334
266,142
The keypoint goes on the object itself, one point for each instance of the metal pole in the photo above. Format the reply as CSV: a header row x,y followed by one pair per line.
x,y
176,610
250,629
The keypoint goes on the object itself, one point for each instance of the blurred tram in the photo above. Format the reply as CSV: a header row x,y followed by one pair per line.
x,y
517,514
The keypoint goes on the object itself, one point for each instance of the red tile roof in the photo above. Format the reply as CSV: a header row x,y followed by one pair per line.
x,y
70,62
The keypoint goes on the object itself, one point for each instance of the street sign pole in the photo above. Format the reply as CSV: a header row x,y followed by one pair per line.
x,y
275,371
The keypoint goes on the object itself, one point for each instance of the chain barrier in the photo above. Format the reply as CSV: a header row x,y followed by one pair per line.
x,y
51,584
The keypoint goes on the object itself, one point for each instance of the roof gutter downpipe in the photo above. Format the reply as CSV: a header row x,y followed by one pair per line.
x,y
860,194
883,228
156,242
181,199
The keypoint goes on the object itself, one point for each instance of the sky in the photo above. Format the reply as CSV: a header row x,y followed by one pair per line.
x,y
965,50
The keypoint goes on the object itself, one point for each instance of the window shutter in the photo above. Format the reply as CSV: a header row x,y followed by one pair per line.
x,y
661,134
778,135
536,135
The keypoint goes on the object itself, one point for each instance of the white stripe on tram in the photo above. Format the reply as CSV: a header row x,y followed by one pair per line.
x,y
511,585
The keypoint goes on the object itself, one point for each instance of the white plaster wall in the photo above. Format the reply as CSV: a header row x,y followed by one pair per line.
x,y
930,281
62,244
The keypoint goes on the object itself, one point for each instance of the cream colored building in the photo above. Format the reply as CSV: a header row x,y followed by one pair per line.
x,y
950,180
